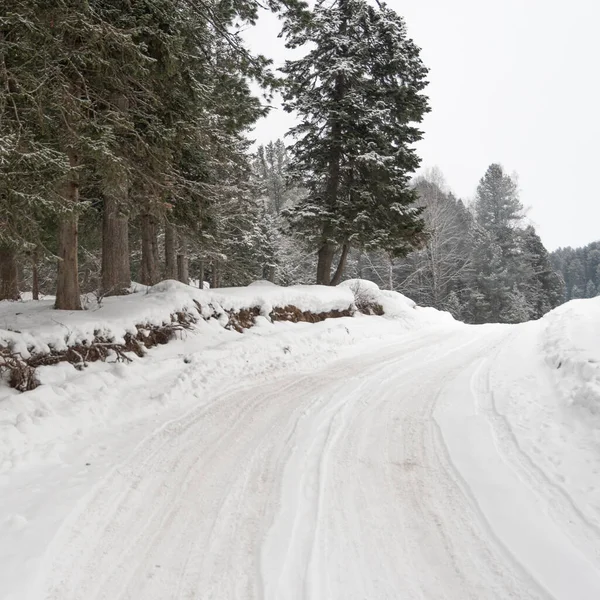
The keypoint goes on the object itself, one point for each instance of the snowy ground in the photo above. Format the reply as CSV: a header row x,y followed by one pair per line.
x,y
406,456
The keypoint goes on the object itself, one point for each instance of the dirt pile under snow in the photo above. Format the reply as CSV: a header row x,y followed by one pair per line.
x,y
35,335
32,334
21,371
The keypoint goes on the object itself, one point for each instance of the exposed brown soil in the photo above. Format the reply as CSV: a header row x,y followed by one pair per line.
x,y
243,319
295,315
22,371
370,308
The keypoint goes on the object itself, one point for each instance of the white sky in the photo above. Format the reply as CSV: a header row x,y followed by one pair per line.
x,y
511,81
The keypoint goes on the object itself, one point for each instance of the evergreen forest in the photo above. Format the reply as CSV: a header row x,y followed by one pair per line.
x,y
126,155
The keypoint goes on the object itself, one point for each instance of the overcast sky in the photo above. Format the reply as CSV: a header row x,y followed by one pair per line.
x,y
511,81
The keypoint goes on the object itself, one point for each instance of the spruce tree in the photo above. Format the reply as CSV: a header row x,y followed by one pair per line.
x,y
497,205
358,93
495,253
512,278
543,288
578,266
31,169
68,119
453,305
577,293
270,167
487,294
515,309
590,290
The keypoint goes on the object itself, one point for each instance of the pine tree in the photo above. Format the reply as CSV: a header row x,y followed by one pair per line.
x,y
516,308
358,92
487,295
590,290
578,266
496,256
543,287
497,205
31,170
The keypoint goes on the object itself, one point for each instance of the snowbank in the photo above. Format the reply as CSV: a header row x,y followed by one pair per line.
x,y
35,327
78,426
572,348
71,403
538,398
395,305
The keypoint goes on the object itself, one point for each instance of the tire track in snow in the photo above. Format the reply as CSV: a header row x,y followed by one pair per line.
x,y
328,485
560,504
410,504
515,498
121,516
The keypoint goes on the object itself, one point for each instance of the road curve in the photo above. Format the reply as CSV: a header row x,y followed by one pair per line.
x,y
332,485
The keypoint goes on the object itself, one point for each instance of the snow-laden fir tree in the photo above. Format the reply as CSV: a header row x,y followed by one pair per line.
x,y
543,287
118,112
30,170
497,204
512,279
487,292
516,308
590,290
358,93
70,71
579,267
270,167
290,261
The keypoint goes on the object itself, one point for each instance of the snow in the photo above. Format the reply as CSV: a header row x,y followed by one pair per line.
x,y
572,347
525,441
262,282
396,305
62,406
35,326
404,456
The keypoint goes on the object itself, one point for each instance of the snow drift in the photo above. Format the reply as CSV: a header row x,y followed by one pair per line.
x,y
151,316
208,355
572,347
31,327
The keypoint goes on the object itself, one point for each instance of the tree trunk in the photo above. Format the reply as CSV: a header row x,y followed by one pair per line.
x,y
325,258
35,285
67,289
183,270
359,265
116,268
9,274
327,249
215,275
149,269
171,269
201,275
116,271
337,278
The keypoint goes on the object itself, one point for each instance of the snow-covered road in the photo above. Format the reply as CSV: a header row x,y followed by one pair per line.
x,y
387,474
